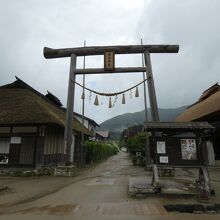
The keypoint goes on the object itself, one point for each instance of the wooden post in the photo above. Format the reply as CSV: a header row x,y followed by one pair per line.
x,y
69,111
151,88
204,183
155,179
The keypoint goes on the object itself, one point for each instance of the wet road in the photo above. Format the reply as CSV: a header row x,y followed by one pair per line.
x,y
102,194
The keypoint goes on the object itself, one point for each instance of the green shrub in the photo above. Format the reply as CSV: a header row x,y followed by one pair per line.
x,y
137,143
96,151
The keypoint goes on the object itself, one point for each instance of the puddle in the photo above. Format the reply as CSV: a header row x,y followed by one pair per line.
x,y
52,210
100,181
107,173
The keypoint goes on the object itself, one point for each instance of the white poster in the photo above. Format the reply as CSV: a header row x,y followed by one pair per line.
x,y
164,159
188,148
161,147
15,140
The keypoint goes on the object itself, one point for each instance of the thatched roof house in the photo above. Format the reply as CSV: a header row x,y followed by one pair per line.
x,y
21,104
207,108
32,126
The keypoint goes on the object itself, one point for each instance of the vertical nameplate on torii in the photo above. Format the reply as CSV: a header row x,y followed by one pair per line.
x,y
109,60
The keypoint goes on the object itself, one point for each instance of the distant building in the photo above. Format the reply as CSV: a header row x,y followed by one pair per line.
x,y
32,127
207,108
102,135
89,123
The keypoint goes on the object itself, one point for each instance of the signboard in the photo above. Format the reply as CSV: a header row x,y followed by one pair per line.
x,y
109,60
188,149
164,159
15,140
161,147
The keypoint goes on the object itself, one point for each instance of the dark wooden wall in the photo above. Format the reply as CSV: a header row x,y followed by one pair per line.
x,y
45,146
77,149
27,150
216,143
53,144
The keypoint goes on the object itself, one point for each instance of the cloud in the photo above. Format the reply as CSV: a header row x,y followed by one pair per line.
x,y
27,26
192,25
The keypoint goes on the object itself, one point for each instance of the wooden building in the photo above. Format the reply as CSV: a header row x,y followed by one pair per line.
x,y
102,135
207,108
89,123
32,127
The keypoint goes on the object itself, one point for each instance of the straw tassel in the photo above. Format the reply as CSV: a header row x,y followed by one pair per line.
x,y
136,92
110,102
96,100
123,99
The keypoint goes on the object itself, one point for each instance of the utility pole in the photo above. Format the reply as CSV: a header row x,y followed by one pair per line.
x,y
147,143
145,95
82,153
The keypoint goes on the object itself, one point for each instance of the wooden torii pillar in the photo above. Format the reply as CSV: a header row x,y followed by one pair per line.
x,y
101,50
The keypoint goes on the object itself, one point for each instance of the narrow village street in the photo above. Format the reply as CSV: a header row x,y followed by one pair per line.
x,y
101,194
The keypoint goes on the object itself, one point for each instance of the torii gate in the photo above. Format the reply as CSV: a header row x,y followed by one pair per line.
x,y
109,67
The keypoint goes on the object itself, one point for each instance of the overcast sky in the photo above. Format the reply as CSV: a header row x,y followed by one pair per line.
x,y
26,26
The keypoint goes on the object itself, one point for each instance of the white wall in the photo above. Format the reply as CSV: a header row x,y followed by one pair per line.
x,y
86,122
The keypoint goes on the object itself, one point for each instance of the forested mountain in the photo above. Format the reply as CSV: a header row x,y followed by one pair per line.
x,y
117,124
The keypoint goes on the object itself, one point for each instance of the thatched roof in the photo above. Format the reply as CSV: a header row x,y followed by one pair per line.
x,y
21,104
57,102
207,107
